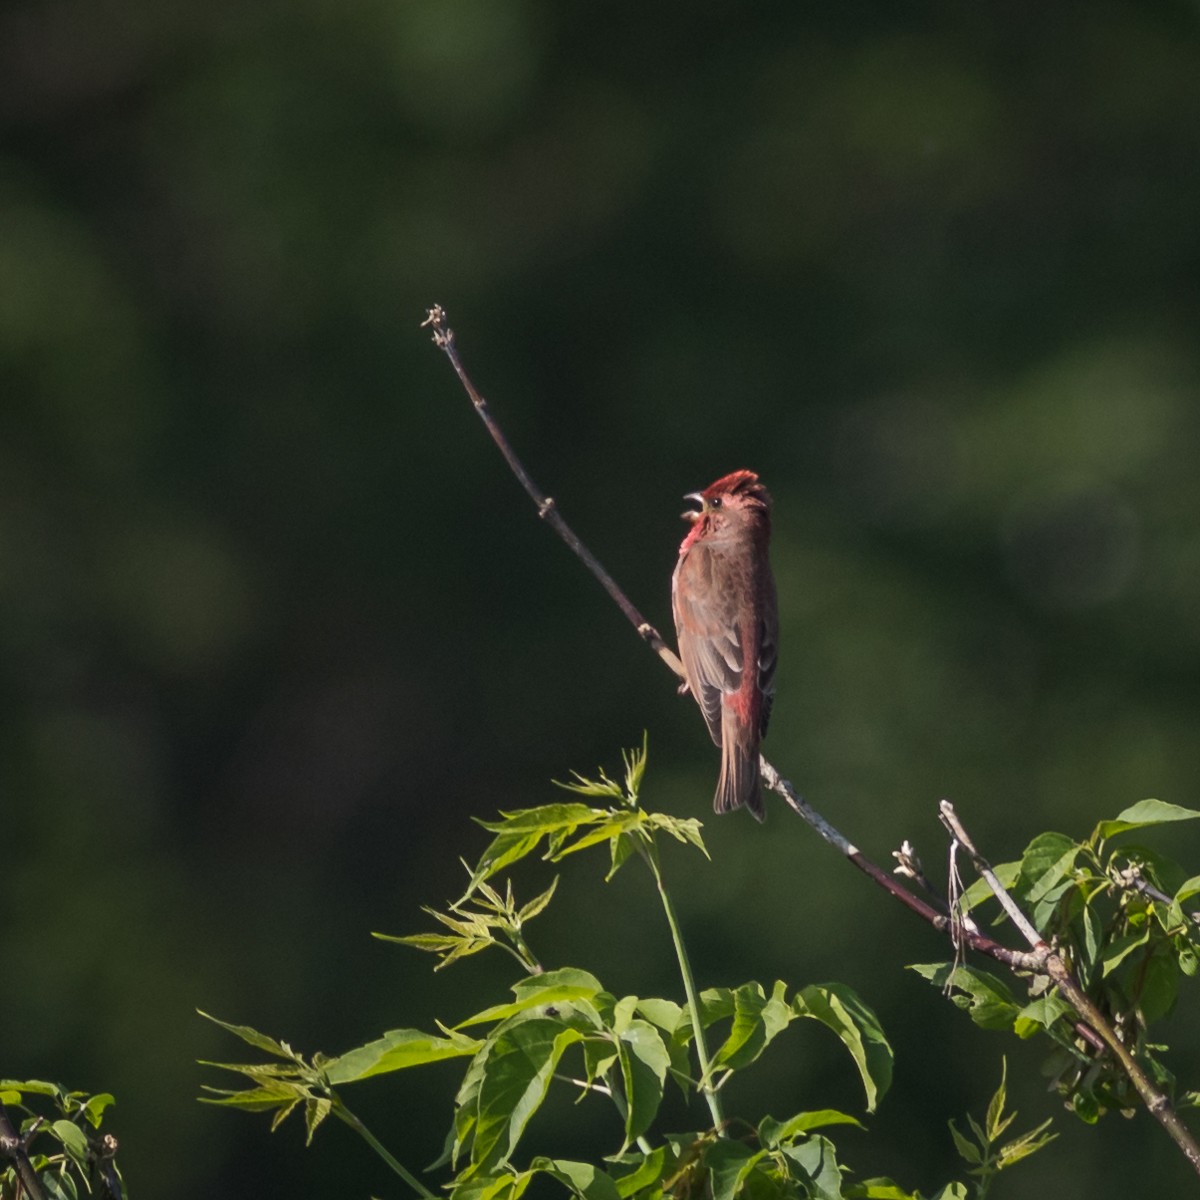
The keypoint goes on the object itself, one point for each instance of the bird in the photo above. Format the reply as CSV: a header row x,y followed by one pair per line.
x,y
727,621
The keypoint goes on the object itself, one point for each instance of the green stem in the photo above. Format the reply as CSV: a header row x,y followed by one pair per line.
x,y
340,1110
649,852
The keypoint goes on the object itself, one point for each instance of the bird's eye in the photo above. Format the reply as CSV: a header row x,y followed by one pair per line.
x,y
715,502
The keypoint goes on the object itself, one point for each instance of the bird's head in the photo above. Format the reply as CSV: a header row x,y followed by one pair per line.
x,y
733,502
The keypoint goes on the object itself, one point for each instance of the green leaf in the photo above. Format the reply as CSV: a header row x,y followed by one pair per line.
x,y
257,1099
1188,889
728,1163
985,997
967,1150
95,1107
644,1063
551,987
1159,986
620,848
952,1191
1040,1014
840,1009
757,1020
818,1165
878,1189
1045,863
37,1087
1145,812
647,1169
1120,948
585,1180
996,1122
683,829
315,1111
716,1003
547,819
397,1050
516,1076
505,849
260,1041
538,904
72,1138
773,1134
663,1013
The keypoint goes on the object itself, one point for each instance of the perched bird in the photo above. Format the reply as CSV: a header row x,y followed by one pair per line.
x,y
727,621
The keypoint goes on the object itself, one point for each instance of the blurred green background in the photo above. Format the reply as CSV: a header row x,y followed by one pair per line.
x,y
275,620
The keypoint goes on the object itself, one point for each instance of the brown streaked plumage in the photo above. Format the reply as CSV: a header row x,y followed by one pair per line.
x,y
727,621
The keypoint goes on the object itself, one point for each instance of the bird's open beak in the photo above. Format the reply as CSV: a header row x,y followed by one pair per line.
x,y
693,515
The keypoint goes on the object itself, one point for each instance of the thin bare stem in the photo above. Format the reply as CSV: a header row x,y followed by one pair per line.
x,y
340,1110
1039,959
443,338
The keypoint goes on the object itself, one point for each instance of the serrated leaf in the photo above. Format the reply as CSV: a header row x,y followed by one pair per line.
x,y
283,1114
620,848
839,1008
1120,948
584,1180
260,1041
1045,863
315,1111
618,825
257,1099
952,1191
551,987
996,1122
1041,1014
644,1062
516,1075
397,1050
728,1163
538,904
505,849
772,1133
73,1139
967,1150
647,1169
663,1013
985,997
1188,889
94,1108
1145,812
683,829
757,1020
36,1087
1159,986
546,819
878,1189
817,1162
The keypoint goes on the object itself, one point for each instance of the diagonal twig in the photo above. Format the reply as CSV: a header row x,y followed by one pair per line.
x,y
1039,959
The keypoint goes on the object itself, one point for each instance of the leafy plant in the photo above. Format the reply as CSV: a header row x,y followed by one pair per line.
x,y
562,1035
1114,910
55,1148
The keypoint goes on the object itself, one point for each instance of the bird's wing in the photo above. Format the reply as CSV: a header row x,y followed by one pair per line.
x,y
768,650
709,642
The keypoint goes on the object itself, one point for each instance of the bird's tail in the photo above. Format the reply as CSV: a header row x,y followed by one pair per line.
x,y
739,782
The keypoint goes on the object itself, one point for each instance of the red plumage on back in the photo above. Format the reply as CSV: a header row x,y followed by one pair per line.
x,y
726,618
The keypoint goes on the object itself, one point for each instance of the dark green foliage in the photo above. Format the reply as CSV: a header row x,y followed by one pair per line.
x,y
564,1038
62,1139
1115,910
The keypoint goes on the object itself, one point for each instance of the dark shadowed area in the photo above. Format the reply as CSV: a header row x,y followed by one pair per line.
x,y
276,622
